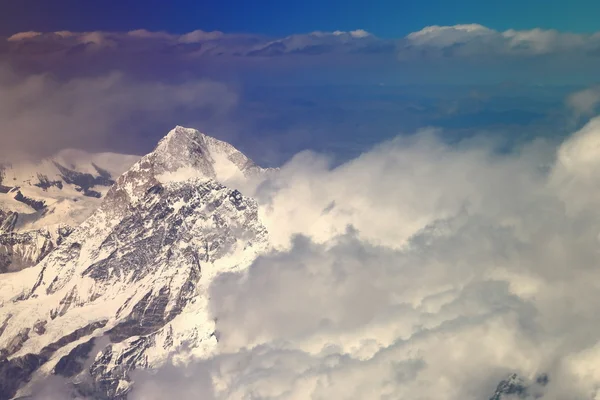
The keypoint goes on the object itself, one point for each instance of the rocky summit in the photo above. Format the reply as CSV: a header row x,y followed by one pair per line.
x,y
133,275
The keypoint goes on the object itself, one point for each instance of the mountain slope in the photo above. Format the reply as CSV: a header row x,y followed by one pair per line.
x,y
41,202
135,273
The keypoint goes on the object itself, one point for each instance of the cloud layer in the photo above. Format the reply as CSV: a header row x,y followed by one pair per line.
x,y
473,39
471,53
193,44
40,114
445,41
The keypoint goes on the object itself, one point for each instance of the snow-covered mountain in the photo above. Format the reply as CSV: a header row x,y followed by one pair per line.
x,y
41,202
135,272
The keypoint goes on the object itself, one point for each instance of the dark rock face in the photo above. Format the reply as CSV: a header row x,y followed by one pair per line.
x,y
8,221
37,205
236,199
63,233
23,250
5,189
74,362
542,380
514,387
16,343
5,324
40,327
105,383
103,173
92,193
19,250
85,182
45,183
17,371
147,316
73,336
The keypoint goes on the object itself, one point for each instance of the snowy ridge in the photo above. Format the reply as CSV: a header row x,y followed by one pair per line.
x,y
41,202
185,152
69,184
135,273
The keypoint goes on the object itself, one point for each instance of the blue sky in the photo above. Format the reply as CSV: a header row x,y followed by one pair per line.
x,y
385,18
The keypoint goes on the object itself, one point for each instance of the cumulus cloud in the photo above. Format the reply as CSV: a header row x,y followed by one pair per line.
x,y
199,36
332,204
418,270
584,102
472,40
23,36
40,114
442,36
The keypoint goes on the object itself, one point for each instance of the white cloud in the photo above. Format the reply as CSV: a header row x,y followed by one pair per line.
x,y
97,38
198,36
448,35
145,34
584,102
474,39
395,185
540,41
23,36
358,33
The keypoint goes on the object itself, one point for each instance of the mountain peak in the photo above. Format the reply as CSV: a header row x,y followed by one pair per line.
x,y
182,154
185,153
181,134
